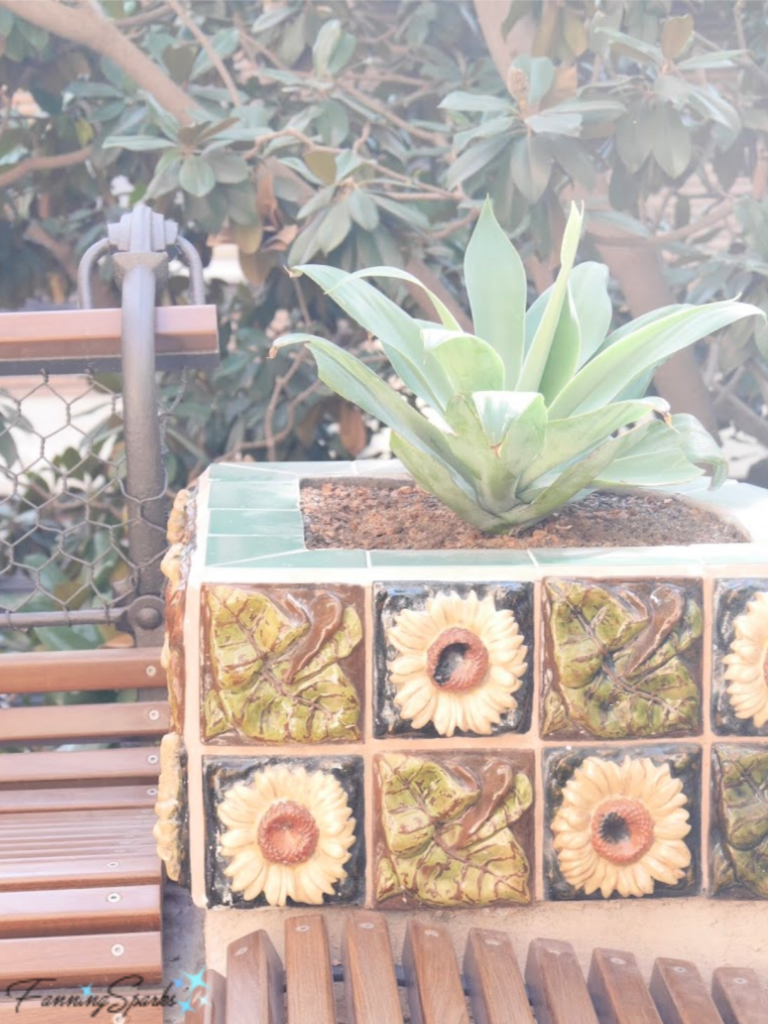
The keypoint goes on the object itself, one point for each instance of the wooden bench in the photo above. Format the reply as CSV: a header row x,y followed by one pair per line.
x,y
431,987
80,882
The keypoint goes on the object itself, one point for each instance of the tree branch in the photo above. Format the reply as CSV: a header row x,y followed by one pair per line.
x,y
44,163
104,37
189,23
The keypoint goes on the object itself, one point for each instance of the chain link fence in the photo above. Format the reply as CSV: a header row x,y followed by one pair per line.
x,y
66,571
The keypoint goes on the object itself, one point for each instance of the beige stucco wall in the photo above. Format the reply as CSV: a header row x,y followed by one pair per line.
x,y
711,933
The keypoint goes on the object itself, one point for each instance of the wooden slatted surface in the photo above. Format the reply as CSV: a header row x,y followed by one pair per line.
x,y
66,961
77,798
84,721
368,988
132,764
29,914
55,671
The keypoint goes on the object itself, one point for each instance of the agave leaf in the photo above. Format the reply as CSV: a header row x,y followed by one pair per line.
x,y
604,377
575,479
399,333
353,380
432,474
594,311
469,363
564,354
497,288
447,319
670,454
642,321
538,354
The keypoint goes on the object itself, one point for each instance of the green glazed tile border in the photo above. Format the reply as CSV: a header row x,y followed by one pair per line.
x,y
242,522
221,554
256,493
597,557
396,558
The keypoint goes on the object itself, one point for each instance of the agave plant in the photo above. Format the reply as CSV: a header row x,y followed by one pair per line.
x,y
536,407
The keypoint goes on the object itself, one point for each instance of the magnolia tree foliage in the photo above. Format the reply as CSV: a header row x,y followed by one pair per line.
x,y
369,133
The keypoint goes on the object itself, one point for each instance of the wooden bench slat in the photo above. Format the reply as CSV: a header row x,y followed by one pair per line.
x,y
86,818
369,971
80,872
618,991
76,798
84,721
27,914
254,982
739,996
35,1013
680,994
89,960
556,985
309,980
214,1009
130,763
435,992
105,669
496,989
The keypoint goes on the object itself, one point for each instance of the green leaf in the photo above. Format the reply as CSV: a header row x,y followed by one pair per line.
x,y
446,317
672,145
471,102
631,46
564,353
469,363
326,42
531,166
497,289
363,210
322,164
229,168
646,347
224,42
275,673
475,159
552,122
335,227
166,179
197,176
594,311
675,35
538,353
634,136
540,72
406,212
399,333
447,849
620,670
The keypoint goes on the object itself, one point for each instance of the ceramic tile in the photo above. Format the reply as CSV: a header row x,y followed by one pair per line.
x,y
739,832
248,549
282,664
740,658
448,558
304,844
599,558
453,829
242,522
329,558
260,492
622,821
621,659
453,659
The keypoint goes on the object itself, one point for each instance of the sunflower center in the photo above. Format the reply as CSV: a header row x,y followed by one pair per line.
x,y
457,660
288,833
622,830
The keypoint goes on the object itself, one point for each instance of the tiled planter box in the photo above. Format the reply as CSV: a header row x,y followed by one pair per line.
x,y
456,729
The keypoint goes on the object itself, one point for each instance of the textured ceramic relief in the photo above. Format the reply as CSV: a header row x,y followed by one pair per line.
x,y
170,829
282,664
621,659
284,831
453,830
739,852
622,822
175,567
740,658
453,660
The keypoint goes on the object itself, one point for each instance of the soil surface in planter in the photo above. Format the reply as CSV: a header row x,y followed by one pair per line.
x,y
376,514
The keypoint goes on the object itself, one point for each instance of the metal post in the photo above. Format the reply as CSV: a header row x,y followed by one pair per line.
x,y
141,239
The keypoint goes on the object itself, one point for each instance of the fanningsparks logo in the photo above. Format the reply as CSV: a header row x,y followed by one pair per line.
x,y
189,993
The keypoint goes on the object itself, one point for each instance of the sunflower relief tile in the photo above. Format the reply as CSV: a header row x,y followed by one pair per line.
x,y
622,822
453,830
740,658
739,848
453,660
282,664
621,659
284,832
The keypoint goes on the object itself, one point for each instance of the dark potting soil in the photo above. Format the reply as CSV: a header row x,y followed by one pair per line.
x,y
379,514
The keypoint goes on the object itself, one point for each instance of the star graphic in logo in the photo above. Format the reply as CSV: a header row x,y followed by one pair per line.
x,y
196,981
87,989
178,983
203,1001
185,1007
